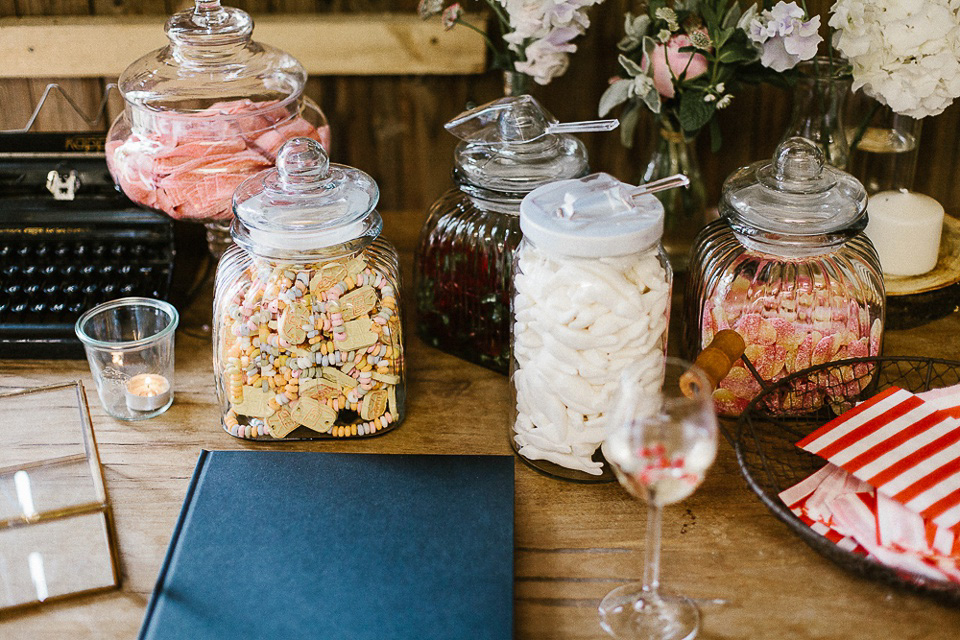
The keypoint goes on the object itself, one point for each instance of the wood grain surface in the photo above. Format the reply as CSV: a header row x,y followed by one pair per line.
x,y
358,44
392,126
574,542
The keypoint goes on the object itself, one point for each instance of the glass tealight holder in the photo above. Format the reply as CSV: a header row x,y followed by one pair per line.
x,y
129,345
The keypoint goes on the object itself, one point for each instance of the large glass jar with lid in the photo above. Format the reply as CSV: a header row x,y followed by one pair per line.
x,y
307,331
591,297
464,259
789,268
204,113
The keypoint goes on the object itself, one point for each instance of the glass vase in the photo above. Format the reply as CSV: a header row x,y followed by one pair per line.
x,y
883,145
818,99
685,210
515,84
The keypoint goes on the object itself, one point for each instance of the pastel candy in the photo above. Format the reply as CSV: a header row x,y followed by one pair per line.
x,y
254,403
358,302
313,415
359,334
327,276
342,380
281,423
373,405
291,323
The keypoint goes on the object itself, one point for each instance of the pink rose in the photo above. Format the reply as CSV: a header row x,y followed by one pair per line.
x,y
668,58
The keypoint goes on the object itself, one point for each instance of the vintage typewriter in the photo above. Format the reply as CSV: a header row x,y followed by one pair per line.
x,y
69,240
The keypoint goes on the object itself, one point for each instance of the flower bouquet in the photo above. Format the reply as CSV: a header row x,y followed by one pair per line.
x,y
536,36
685,60
904,61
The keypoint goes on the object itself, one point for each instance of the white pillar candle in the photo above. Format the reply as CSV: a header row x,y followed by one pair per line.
x,y
905,228
147,392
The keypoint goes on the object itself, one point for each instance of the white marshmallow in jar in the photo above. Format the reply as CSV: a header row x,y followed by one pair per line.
x,y
591,296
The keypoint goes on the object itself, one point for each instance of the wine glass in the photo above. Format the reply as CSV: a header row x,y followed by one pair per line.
x,y
663,442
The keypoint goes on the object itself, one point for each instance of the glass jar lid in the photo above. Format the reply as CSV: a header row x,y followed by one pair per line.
x,y
305,203
593,217
514,145
794,195
211,59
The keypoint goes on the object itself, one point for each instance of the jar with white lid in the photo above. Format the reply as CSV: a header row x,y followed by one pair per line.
x,y
307,332
591,295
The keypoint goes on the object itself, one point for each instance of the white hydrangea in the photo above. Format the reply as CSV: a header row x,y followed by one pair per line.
x,y
904,53
542,30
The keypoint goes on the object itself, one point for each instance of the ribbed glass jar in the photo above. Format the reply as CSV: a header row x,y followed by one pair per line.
x,y
464,260
464,269
802,288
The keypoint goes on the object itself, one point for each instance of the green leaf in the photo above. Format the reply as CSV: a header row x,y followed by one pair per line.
x,y
732,16
737,54
628,124
649,44
652,100
631,67
694,112
616,94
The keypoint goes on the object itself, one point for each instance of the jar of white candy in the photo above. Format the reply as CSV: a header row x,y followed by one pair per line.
x,y
591,296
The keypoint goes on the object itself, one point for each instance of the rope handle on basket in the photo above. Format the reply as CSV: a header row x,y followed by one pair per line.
x,y
716,360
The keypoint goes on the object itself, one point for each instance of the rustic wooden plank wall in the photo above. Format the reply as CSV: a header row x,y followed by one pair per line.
x,y
392,126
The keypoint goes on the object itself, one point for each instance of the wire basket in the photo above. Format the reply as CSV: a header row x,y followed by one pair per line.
x,y
793,407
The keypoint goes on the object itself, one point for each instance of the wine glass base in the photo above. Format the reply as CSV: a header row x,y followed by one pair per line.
x,y
631,612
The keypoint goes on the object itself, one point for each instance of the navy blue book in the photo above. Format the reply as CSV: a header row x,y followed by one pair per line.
x,y
287,545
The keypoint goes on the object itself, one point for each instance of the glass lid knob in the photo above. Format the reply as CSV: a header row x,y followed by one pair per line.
x,y
302,163
797,167
209,23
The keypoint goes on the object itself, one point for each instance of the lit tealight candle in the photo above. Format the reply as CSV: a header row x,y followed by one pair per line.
x,y
147,392
905,228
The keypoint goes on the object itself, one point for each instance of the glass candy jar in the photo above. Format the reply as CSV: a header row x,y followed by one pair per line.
x,y
307,332
204,113
789,268
591,296
464,259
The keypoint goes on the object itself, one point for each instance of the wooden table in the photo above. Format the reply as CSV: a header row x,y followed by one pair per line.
x,y
573,542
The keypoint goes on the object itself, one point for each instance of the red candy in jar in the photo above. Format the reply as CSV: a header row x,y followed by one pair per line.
x,y
206,112
789,268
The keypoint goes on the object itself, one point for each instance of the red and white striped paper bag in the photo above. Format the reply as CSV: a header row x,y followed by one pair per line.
x,y
798,499
907,448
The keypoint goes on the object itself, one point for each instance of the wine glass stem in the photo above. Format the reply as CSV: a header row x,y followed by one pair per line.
x,y
651,569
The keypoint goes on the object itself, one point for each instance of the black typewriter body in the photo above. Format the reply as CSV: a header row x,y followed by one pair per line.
x,y
69,240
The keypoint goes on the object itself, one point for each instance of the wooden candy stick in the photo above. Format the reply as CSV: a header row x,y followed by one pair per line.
x,y
715,361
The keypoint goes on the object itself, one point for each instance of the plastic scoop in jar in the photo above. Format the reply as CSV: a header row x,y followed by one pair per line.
x,y
608,195
517,119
